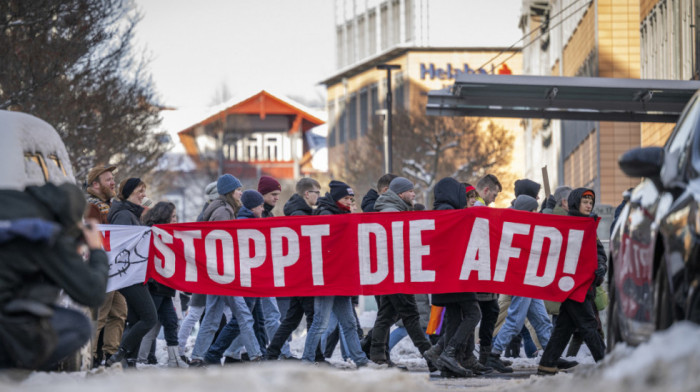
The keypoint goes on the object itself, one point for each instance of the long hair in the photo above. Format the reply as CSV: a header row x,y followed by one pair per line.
x,y
233,202
159,214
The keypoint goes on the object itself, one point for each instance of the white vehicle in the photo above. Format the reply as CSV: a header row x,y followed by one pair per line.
x,y
32,153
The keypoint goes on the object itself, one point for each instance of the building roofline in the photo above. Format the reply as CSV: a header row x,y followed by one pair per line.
x,y
395,52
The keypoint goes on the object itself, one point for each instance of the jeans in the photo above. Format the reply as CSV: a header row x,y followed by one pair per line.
x,y
394,307
298,307
574,315
342,308
240,325
522,308
142,316
167,318
193,316
210,324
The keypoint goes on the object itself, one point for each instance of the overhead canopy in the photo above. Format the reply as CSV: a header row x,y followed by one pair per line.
x,y
568,98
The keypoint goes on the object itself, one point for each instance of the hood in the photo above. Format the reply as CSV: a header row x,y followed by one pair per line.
x,y
369,200
449,193
326,203
390,200
527,187
297,203
245,213
575,200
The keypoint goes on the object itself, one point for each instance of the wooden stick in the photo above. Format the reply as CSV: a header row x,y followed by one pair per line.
x,y
545,180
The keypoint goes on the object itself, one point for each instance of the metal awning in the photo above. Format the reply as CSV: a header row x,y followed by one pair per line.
x,y
567,98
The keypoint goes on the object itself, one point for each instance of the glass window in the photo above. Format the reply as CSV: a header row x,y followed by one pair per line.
x,y
364,108
352,117
676,150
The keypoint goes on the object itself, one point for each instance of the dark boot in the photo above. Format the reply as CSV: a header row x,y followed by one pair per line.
x,y
494,361
447,360
564,365
484,354
471,363
119,356
431,356
513,348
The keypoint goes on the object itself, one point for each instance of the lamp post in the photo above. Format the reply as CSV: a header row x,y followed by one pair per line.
x,y
387,124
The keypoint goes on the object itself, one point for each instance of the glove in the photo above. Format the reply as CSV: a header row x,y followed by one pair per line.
x,y
599,276
548,203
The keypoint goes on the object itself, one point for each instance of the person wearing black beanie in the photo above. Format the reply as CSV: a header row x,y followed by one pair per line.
x,y
338,201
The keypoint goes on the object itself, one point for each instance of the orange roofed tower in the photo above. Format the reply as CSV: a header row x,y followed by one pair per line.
x,y
261,135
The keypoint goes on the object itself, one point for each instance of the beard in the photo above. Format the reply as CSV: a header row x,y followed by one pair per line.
x,y
107,192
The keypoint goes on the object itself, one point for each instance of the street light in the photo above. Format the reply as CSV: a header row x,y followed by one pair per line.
x,y
387,123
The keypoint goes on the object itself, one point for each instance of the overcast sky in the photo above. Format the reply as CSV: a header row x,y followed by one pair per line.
x,y
287,45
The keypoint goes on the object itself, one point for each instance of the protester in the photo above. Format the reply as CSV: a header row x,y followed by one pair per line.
x,y
270,189
338,201
142,315
39,257
111,315
520,308
462,312
574,314
301,203
162,295
372,196
210,194
399,197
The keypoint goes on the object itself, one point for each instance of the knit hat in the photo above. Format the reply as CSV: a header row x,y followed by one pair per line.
x,y
339,190
525,203
227,184
95,172
526,187
400,185
128,187
268,184
210,192
251,199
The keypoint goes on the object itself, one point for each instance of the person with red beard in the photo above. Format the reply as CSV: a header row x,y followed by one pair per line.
x,y
100,186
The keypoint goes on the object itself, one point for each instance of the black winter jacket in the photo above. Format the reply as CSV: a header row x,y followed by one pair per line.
x,y
297,206
39,270
267,212
125,213
574,202
327,206
450,195
369,200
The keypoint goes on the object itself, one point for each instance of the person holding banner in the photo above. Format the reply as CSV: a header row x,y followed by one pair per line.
x,y
142,314
574,314
225,208
393,307
338,201
301,203
162,295
462,312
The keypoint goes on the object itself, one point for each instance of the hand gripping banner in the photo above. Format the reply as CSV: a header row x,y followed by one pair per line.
x,y
476,250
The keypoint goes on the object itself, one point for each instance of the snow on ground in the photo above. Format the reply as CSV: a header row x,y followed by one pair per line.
x,y
670,362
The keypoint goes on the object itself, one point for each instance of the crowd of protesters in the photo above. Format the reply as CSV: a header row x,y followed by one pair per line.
x,y
240,329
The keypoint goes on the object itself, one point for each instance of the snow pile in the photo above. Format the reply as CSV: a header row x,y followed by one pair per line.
x,y
278,376
670,361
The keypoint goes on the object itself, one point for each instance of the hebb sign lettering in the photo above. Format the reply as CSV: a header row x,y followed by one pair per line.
x,y
449,72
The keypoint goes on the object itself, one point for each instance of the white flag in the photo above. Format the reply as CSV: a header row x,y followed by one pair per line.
x,y
127,251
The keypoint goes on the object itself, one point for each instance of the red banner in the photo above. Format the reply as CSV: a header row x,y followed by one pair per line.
x,y
473,250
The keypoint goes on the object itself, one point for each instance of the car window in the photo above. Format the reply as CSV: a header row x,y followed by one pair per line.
x,y
677,148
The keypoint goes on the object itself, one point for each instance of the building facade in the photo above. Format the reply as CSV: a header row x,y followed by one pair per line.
x,y
410,34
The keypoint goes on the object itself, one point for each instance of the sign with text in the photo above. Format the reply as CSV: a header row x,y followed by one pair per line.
x,y
474,250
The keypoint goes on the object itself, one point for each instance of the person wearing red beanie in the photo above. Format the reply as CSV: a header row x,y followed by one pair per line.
x,y
271,190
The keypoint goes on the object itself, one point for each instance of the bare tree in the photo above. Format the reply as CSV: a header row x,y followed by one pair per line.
x,y
71,63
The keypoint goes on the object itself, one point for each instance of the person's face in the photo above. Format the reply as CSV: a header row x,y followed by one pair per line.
x,y
137,195
311,196
586,206
238,193
106,184
408,196
257,211
471,199
490,195
347,201
271,198
173,216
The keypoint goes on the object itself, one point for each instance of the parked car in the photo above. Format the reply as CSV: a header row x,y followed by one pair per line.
x,y
654,267
32,153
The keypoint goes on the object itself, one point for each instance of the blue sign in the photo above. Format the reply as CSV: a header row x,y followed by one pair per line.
x,y
446,73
